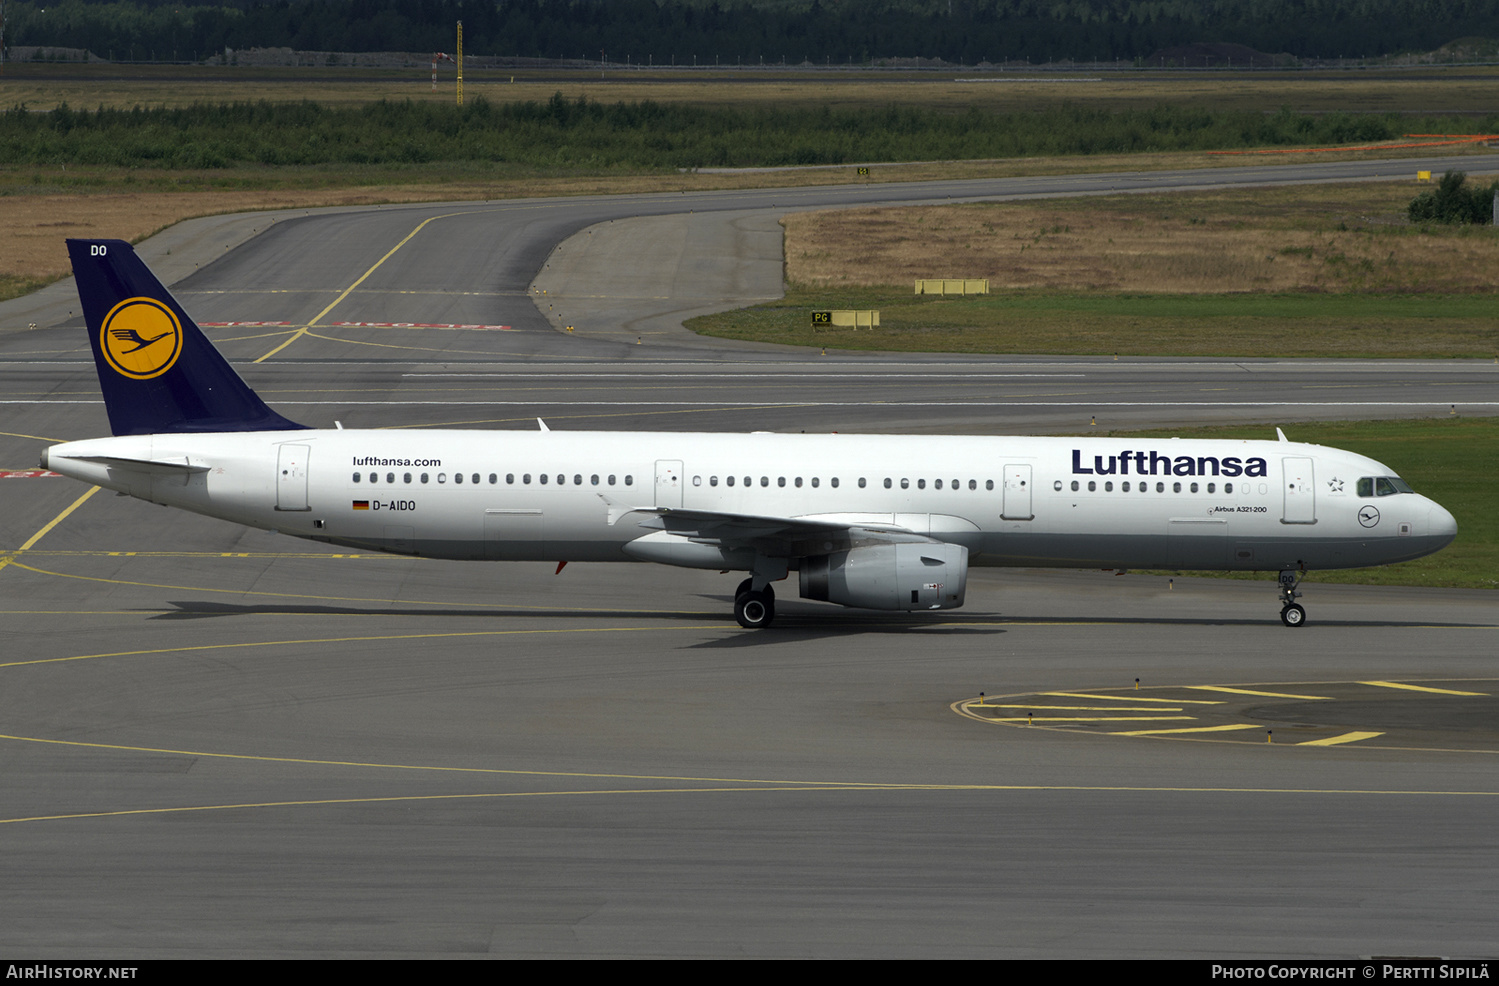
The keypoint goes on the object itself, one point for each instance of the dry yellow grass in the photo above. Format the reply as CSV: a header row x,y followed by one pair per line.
x,y
1312,238
1469,89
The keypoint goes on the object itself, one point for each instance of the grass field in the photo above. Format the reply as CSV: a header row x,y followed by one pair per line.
x,y
1430,89
1450,460
1333,270
43,203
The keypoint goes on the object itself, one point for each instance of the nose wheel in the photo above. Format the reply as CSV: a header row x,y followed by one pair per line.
x,y
1291,612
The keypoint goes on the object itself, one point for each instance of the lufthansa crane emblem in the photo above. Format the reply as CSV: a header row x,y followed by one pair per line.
x,y
141,338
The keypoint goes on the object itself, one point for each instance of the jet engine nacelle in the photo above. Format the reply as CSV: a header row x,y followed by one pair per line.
x,y
889,576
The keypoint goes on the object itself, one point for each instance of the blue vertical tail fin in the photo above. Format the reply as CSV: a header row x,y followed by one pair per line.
x,y
158,371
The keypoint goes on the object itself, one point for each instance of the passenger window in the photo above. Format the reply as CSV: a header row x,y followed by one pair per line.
x,y
1176,487
887,482
861,482
956,484
764,480
509,479
374,477
973,484
729,480
834,481
526,479
1074,486
905,484
988,484
406,477
814,482
1228,487
493,479
629,480
594,479
712,480
1092,485
1159,487
543,478
937,485
697,480
1109,486
780,481
561,480
798,482
390,477
611,479
442,477
1212,487
1124,487
357,477
920,484
457,477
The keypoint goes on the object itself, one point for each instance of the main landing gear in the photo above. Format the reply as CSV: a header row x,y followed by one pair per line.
x,y
754,610
1291,613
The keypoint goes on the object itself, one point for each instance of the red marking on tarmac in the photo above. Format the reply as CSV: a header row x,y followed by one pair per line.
x,y
28,474
421,325
252,325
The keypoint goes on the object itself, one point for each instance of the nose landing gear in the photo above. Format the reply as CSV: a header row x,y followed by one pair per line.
x,y
1291,612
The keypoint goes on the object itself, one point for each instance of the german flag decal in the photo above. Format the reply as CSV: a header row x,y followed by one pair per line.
x,y
361,504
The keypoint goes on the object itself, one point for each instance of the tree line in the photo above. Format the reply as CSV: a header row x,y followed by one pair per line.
x,y
563,134
748,32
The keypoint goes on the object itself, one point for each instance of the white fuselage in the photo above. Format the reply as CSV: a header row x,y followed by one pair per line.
x,y
567,496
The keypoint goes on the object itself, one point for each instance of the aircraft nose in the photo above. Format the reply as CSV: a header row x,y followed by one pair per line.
x,y
1441,523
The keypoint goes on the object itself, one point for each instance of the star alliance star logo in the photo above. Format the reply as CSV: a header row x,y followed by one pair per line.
x,y
1335,485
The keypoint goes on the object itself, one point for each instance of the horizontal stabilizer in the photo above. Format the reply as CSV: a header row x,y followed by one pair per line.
x,y
144,465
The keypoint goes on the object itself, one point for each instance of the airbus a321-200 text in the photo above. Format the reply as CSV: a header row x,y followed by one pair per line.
x,y
874,521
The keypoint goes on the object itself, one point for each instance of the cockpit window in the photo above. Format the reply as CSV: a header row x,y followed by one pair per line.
x,y
1383,486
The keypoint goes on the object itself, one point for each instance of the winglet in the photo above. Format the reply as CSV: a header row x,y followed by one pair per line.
x,y
158,371
1280,435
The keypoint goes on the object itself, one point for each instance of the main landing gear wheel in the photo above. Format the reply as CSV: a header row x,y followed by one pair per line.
x,y
1293,615
754,610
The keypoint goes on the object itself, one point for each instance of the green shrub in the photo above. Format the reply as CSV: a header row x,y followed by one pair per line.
x,y
1452,202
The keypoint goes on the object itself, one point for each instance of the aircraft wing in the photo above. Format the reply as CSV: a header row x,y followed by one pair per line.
x,y
777,537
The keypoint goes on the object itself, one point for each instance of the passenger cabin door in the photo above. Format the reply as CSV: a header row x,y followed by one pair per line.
x,y
1300,490
1017,493
668,482
291,477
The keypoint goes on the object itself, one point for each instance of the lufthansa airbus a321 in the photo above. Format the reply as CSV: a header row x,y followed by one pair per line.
x,y
873,521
